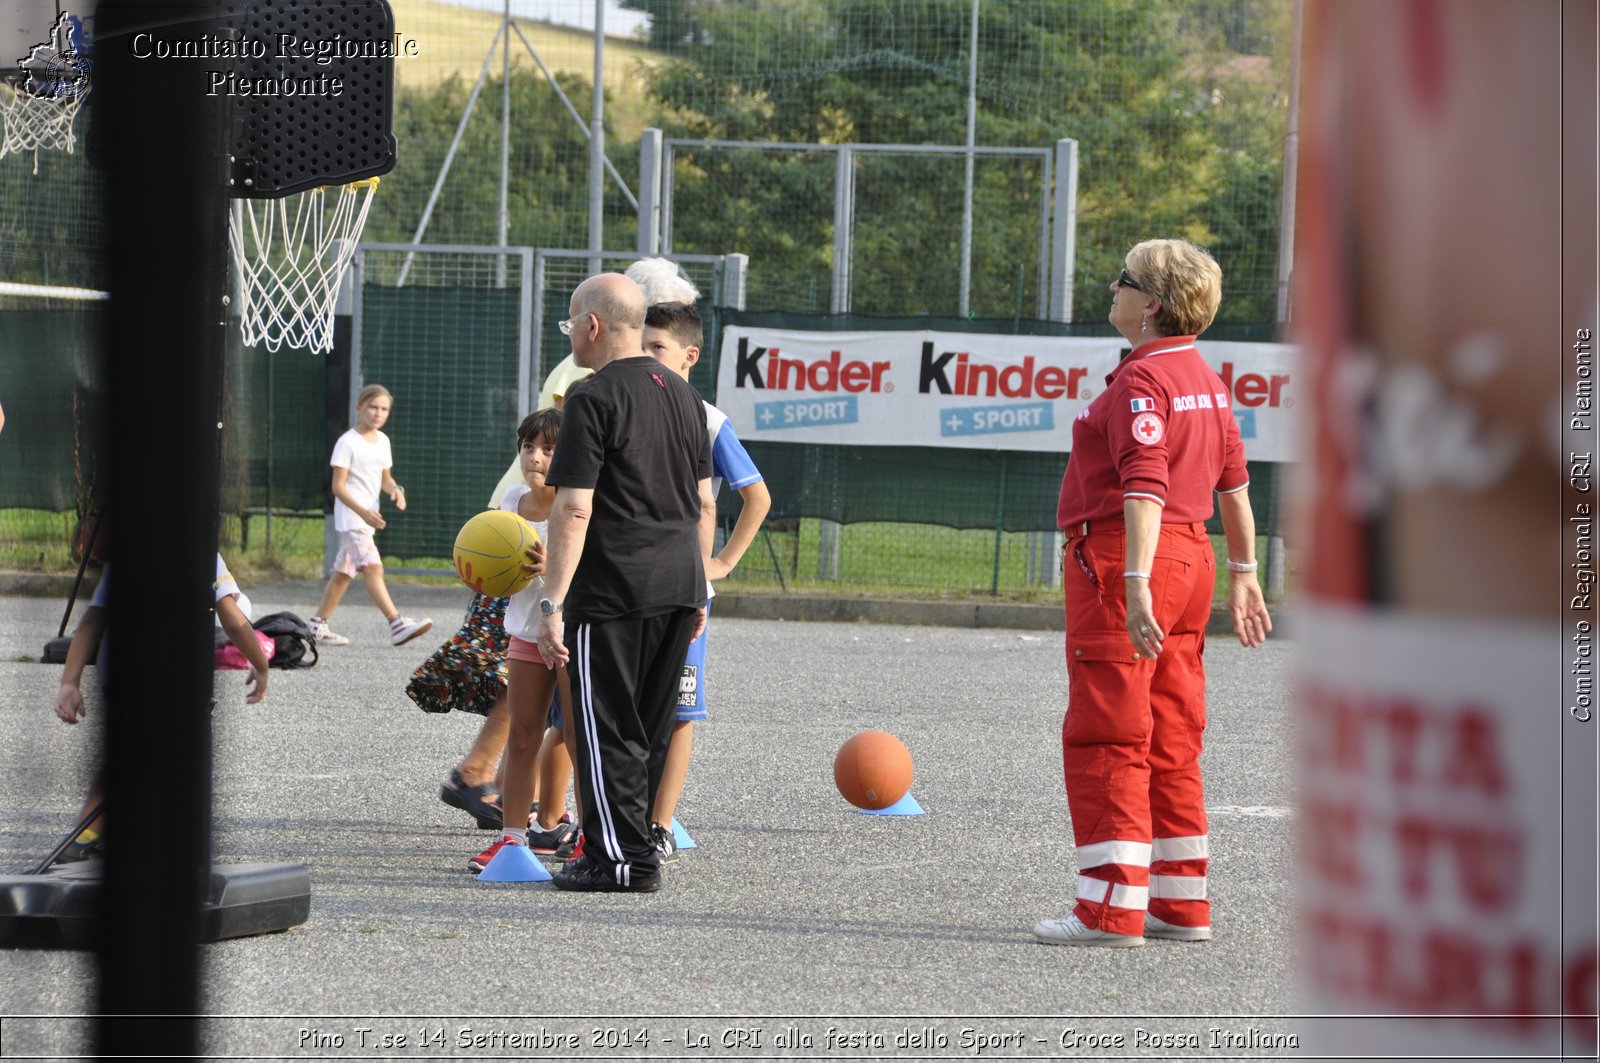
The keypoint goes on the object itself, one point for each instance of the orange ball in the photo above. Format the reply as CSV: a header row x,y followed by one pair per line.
x,y
873,770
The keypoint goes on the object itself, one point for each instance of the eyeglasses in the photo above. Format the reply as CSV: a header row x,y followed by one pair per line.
x,y
1122,281
566,326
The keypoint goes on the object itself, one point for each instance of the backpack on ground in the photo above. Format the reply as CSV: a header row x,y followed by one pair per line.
x,y
296,646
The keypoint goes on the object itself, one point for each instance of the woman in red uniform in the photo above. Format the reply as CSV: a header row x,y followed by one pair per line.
x,y
1147,455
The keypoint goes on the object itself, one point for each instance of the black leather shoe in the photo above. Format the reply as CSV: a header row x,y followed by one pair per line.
x,y
585,875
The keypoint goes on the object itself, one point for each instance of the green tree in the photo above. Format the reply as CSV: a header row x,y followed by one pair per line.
x,y
1178,134
548,185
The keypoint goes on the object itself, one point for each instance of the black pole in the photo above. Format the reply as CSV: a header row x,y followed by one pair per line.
x,y
160,141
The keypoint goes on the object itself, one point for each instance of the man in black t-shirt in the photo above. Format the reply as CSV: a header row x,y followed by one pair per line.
x,y
624,583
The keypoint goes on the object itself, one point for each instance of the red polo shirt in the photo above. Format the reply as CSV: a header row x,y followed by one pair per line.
x,y
1163,430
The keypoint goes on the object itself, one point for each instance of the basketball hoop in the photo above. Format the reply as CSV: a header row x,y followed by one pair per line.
x,y
32,122
292,254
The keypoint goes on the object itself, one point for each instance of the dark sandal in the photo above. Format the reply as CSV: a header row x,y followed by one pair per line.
x,y
473,800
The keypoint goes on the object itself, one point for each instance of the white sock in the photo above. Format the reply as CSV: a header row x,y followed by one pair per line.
x,y
515,835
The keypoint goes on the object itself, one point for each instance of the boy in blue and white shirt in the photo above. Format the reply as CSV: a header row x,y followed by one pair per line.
x,y
673,335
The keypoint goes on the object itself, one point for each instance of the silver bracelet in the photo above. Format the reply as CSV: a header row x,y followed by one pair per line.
x,y
1240,566
1130,574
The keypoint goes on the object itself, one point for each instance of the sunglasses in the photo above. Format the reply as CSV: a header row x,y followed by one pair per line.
x,y
1125,281
566,326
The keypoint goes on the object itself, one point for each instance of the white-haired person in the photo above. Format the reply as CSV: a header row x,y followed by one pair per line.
x,y
661,282
1148,456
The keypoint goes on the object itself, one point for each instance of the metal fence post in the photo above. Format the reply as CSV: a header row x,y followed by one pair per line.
x,y
649,238
529,378
828,545
735,267
1064,234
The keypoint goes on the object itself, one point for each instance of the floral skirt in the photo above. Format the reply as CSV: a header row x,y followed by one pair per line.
x,y
467,673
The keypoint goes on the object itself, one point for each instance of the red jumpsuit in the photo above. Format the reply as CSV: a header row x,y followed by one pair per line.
x,y
1161,430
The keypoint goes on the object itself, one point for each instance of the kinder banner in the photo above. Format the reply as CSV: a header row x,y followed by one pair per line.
x,y
962,389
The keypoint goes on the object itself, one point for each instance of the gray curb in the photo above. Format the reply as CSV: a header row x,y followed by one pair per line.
x,y
801,608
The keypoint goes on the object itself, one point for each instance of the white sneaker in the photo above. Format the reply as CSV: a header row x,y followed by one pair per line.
x,y
1160,928
325,636
402,629
1070,930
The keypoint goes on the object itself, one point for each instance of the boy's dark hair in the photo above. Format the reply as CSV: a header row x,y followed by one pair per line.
x,y
682,320
545,422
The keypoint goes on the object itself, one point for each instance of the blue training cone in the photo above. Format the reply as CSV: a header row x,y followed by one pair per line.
x,y
681,836
514,863
906,806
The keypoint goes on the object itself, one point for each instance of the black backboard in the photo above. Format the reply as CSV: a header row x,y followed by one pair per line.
x,y
312,90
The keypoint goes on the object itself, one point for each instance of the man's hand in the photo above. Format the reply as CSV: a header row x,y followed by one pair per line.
x,y
554,651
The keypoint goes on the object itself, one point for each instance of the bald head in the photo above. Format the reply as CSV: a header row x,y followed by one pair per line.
x,y
608,317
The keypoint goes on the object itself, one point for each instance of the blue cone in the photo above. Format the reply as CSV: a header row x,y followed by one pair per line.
x,y
681,836
906,806
514,863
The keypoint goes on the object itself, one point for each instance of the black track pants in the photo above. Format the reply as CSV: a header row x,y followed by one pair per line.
x,y
625,685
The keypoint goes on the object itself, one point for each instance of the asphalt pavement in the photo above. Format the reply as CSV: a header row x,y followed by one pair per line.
x,y
797,927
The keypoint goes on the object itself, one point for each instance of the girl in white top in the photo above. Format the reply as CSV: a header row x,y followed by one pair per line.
x,y
530,681
362,468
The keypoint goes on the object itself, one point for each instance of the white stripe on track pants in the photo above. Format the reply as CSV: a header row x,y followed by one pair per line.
x,y
625,676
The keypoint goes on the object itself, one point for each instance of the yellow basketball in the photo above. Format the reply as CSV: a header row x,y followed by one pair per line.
x,y
490,551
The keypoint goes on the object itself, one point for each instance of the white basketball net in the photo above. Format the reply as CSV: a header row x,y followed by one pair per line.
x,y
33,122
291,255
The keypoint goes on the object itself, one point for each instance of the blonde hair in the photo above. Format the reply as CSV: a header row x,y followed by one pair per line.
x,y
1186,281
370,392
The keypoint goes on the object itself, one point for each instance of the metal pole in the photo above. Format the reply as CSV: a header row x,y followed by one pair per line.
x,y
597,141
528,375
566,101
1063,260
505,149
449,157
735,266
831,532
965,307
1291,156
843,214
649,235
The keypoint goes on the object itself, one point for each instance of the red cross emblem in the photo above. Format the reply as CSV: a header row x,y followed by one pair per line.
x,y
1148,429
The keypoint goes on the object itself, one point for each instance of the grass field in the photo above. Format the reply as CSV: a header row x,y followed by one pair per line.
x,y
454,40
874,560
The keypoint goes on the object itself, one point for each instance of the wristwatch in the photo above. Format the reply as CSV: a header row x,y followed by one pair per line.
x,y
546,606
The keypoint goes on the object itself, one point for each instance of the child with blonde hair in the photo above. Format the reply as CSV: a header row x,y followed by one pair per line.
x,y
362,468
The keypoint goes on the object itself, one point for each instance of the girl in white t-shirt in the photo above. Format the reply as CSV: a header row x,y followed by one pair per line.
x,y
362,468
530,681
